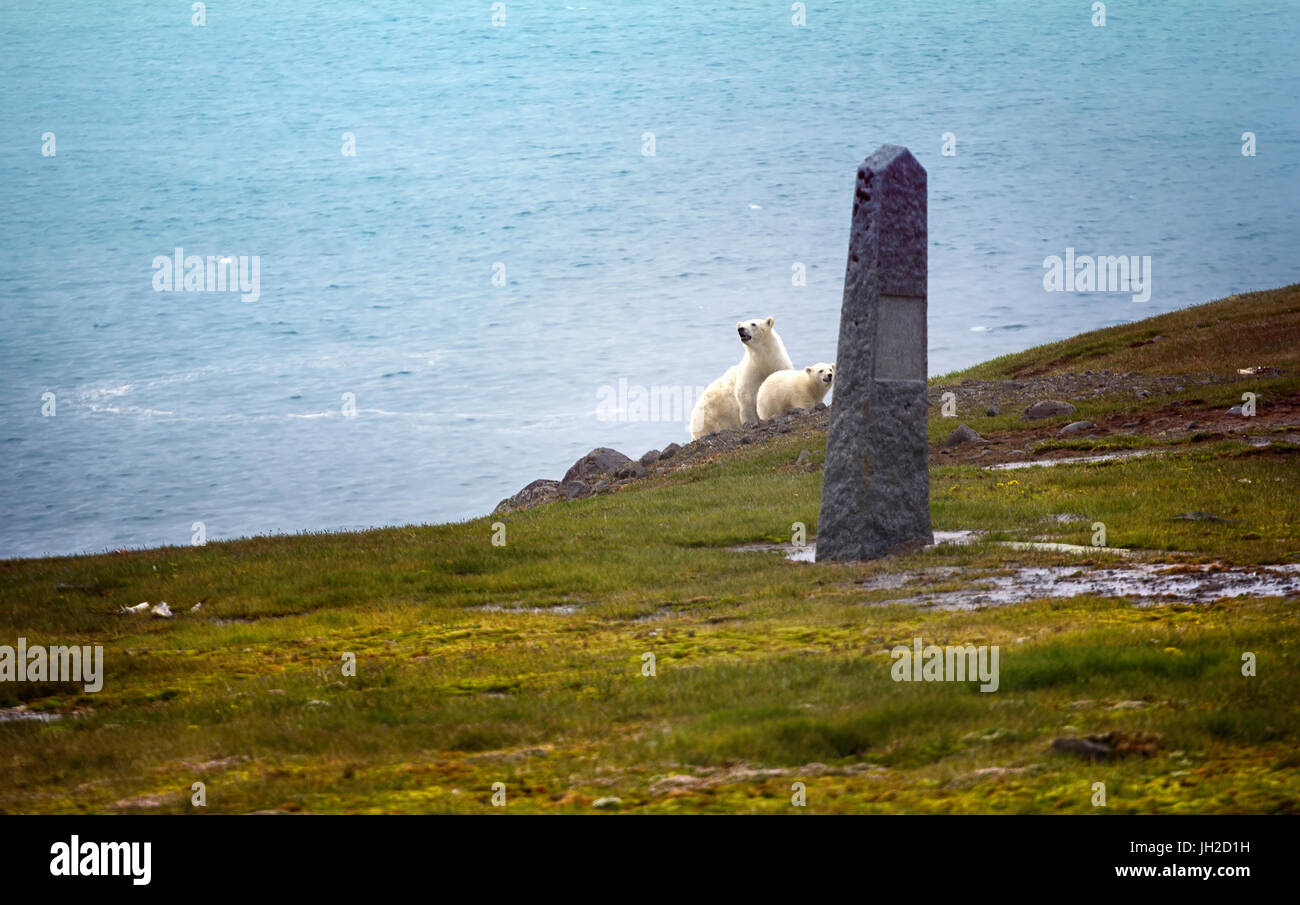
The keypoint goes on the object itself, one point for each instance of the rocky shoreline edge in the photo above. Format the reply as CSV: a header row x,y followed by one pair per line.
x,y
1046,415
605,470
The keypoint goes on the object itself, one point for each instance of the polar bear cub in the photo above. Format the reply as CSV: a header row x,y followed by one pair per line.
x,y
732,399
784,391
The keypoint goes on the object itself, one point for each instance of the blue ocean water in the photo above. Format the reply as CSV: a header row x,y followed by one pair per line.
x,y
523,146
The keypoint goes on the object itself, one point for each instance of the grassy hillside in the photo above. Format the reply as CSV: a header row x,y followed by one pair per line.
x,y
523,663
1257,329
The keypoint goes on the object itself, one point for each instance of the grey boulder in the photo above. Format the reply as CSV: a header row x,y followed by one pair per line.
x,y
574,490
535,494
1048,408
599,461
630,470
962,434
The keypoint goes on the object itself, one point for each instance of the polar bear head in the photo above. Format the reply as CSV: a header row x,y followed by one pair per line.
x,y
820,375
820,372
756,331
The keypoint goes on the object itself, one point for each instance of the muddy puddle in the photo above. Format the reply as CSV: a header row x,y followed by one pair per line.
x,y
1073,460
20,715
1146,584
561,610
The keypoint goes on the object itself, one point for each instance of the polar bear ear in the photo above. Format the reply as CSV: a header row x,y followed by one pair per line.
x,y
808,370
771,321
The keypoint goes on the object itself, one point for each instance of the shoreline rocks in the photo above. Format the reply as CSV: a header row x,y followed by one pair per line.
x,y
604,470
534,494
601,460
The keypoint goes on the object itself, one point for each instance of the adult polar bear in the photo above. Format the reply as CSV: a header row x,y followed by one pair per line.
x,y
732,399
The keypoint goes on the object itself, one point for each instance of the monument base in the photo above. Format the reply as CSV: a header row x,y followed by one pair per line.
x,y
888,509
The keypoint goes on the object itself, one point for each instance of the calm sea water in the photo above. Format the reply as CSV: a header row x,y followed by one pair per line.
x,y
522,145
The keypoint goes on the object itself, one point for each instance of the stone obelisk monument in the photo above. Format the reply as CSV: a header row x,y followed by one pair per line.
x,y
875,484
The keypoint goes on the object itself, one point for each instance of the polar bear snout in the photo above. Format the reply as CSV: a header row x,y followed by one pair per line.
x,y
745,335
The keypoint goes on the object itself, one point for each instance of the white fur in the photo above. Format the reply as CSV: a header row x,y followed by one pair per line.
x,y
784,391
732,399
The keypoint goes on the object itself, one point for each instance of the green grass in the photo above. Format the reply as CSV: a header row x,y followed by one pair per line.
x,y
765,668
1242,331
1253,490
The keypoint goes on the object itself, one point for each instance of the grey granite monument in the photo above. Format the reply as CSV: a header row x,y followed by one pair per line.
x,y
875,484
